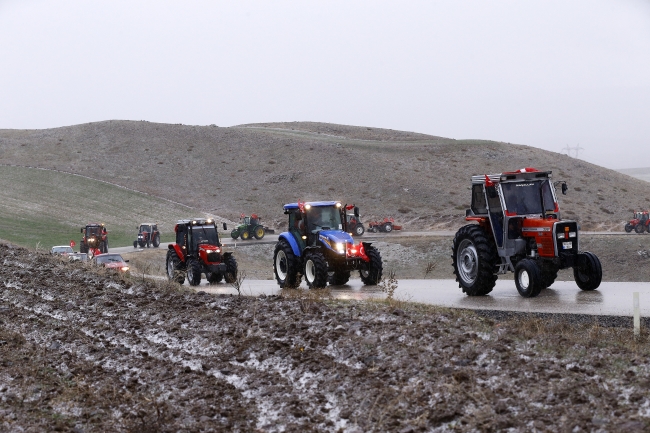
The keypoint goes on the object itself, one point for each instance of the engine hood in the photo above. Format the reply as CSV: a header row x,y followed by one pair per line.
x,y
335,236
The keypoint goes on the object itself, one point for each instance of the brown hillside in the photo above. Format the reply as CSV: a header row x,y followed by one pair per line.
x,y
423,181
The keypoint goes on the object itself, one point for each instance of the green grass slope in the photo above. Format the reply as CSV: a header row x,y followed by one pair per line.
x,y
45,208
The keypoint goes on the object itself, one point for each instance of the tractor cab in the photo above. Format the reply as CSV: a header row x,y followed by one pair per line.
x,y
197,235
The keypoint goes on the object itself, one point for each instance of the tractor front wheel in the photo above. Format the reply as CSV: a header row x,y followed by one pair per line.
x,y
193,272
141,243
628,227
359,230
259,232
338,278
285,266
474,260
234,234
639,228
388,227
231,269
135,244
174,267
528,278
372,275
589,274
156,241
315,270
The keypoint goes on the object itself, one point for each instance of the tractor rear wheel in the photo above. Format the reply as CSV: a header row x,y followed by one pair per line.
x,y
231,269
372,275
639,228
338,278
156,241
628,227
474,259
234,234
174,267
588,275
528,278
135,244
193,272
245,235
388,227
359,230
259,232
315,271
214,277
285,266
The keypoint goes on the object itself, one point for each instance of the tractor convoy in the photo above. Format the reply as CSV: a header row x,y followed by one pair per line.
x,y
515,226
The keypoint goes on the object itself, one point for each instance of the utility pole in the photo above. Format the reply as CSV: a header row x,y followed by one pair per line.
x,y
578,149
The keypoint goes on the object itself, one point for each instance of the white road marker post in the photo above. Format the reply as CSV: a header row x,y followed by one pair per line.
x,y
637,315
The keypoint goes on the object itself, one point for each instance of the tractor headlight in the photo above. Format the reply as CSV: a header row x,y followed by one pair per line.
x,y
340,248
572,234
560,236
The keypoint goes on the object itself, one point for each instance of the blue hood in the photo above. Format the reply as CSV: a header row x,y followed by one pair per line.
x,y
335,236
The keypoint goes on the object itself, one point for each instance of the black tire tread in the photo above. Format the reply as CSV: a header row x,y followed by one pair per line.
x,y
488,258
320,264
293,278
231,269
376,267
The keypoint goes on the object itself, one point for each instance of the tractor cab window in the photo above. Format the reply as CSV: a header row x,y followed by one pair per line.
x,y
247,220
478,200
204,235
93,231
181,235
324,218
496,213
144,228
528,198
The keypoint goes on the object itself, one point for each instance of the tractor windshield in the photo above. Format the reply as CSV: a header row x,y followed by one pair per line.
x,y
204,235
528,198
144,228
93,231
324,218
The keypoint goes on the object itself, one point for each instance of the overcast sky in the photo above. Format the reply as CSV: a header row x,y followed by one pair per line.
x,y
543,73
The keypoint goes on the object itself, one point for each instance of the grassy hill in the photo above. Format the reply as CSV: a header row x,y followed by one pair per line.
x,y
48,208
421,180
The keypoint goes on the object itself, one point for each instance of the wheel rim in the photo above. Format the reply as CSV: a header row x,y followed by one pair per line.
x,y
524,279
389,228
281,265
467,260
359,230
260,232
364,273
310,271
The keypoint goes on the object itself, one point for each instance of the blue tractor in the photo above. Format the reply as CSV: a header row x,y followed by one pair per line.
x,y
319,247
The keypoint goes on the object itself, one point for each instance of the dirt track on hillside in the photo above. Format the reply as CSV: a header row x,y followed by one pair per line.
x,y
88,351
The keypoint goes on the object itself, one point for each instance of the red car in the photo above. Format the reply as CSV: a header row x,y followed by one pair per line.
x,y
112,261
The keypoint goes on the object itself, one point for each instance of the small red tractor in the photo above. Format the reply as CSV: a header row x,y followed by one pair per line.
x,y
519,229
148,235
94,240
386,226
355,226
197,251
640,223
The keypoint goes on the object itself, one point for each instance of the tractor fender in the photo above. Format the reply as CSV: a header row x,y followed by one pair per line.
x,y
178,250
291,241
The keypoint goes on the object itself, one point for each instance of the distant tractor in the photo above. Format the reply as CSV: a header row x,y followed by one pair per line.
x,y
385,226
197,251
640,223
318,245
94,239
250,227
148,235
355,226
519,229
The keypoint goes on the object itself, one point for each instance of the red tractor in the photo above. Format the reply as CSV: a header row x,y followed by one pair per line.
x,y
94,240
355,226
386,226
640,223
197,251
148,235
519,229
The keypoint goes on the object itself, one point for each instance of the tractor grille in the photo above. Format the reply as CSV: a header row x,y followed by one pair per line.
x,y
214,257
566,244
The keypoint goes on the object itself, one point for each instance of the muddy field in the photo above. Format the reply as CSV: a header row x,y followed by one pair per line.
x,y
90,351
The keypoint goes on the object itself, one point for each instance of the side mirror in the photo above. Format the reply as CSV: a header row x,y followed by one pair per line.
x,y
564,188
356,211
225,227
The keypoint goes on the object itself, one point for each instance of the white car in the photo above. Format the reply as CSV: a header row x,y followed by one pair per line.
x,y
62,250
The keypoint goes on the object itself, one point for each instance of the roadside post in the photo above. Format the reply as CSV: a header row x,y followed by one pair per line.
x,y
637,315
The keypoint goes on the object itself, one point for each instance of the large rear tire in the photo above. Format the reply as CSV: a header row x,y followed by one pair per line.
x,y
588,275
285,266
372,275
528,278
175,271
156,241
474,259
359,229
639,228
315,270
628,227
245,235
135,244
388,227
231,269
259,232
338,278
193,272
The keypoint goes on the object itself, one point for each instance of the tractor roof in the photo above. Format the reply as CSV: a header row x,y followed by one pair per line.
x,y
312,204
148,224
196,221
95,225
513,176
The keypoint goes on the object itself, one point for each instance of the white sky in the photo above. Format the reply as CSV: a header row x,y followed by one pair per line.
x,y
542,73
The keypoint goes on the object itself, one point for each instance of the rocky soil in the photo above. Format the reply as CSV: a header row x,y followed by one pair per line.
x,y
83,350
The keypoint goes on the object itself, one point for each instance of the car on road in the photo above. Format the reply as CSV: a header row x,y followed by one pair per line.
x,y
61,250
82,257
111,261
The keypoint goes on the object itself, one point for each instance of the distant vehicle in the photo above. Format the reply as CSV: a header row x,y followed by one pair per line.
x,y
355,226
386,226
148,235
640,223
61,250
94,239
112,261
250,227
82,257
